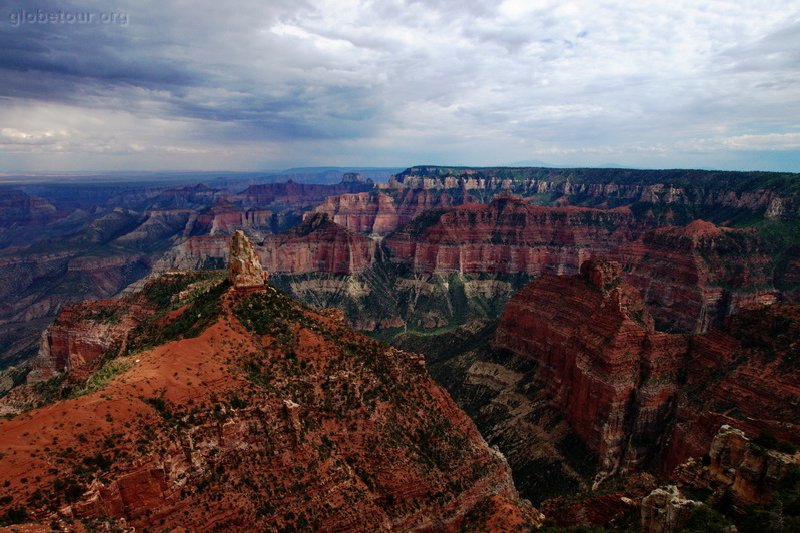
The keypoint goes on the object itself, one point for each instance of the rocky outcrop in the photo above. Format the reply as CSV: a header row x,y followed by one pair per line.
x,y
690,276
201,252
80,338
244,268
379,213
366,212
751,472
665,511
743,470
224,217
317,246
18,209
695,275
297,196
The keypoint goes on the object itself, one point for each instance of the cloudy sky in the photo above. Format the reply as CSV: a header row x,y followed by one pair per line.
x,y
162,85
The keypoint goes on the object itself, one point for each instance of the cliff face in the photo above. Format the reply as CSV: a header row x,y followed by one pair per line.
x,y
690,276
381,213
509,236
694,275
299,196
238,410
317,246
751,472
575,386
640,398
597,353
753,485
694,193
19,209
81,336
200,252
224,217
744,374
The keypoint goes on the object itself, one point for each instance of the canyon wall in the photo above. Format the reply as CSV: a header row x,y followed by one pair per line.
x,y
641,398
717,195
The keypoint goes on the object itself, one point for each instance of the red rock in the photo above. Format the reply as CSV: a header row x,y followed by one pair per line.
x,y
640,398
598,355
509,236
81,336
309,425
317,246
298,195
380,213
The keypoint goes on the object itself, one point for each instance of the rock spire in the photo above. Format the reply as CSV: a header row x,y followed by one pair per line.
x,y
244,268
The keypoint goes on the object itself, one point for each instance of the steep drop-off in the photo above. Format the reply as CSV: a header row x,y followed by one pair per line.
x,y
638,397
239,409
691,276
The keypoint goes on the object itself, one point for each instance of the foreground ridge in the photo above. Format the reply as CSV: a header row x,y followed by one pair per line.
x,y
241,410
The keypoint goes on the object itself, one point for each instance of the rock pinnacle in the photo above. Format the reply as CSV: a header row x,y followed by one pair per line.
x,y
244,268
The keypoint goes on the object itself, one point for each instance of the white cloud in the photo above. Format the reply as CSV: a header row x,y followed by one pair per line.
x,y
401,82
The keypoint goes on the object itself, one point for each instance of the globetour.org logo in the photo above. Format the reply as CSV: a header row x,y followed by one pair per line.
x,y
40,16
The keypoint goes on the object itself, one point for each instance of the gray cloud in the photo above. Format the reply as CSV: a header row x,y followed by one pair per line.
x,y
201,85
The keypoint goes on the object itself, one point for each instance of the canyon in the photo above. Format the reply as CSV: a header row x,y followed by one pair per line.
x,y
227,405
599,326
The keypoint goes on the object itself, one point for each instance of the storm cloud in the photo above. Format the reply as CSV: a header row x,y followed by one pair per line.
x,y
198,85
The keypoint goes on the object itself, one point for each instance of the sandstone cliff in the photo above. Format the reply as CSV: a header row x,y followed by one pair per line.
x,y
380,213
317,246
18,209
599,357
690,276
639,398
509,236
299,196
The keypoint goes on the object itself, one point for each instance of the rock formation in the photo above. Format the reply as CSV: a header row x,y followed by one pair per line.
x,y
665,511
241,410
18,209
719,193
244,267
318,246
639,398
298,196
509,236
381,213
598,355
79,338
751,472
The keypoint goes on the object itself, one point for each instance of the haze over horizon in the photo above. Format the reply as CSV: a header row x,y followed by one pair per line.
x,y
163,86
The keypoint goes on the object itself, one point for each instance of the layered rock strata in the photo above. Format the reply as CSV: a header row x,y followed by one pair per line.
x,y
639,398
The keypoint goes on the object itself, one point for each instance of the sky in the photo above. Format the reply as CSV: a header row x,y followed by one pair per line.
x,y
260,85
